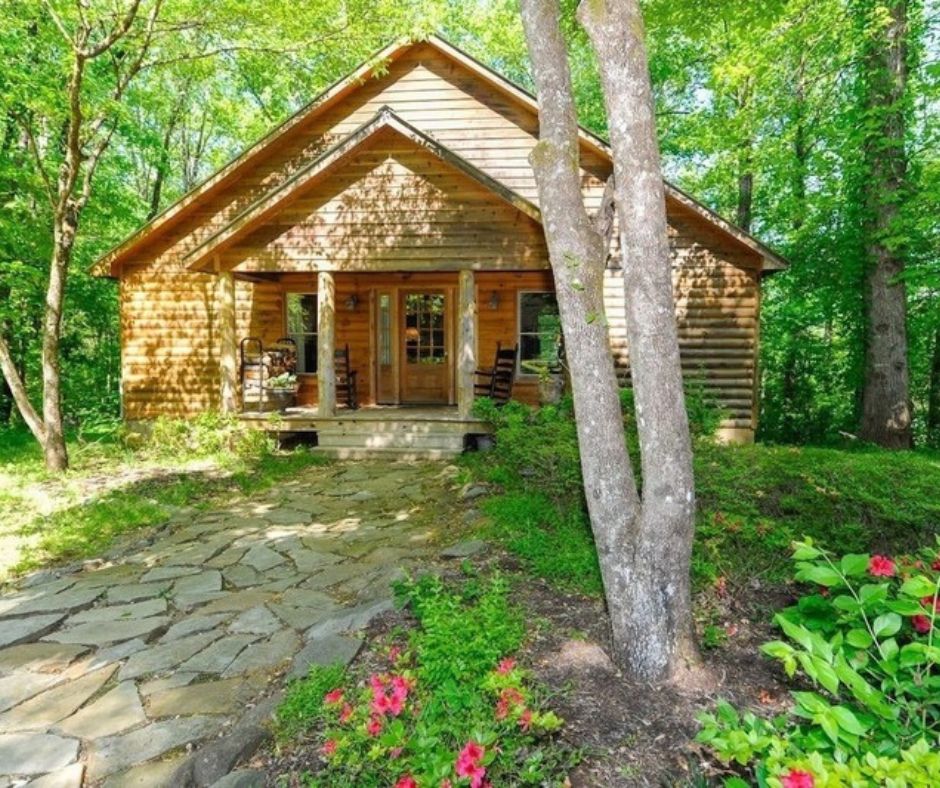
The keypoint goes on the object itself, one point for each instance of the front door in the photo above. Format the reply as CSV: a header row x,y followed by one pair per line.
x,y
425,342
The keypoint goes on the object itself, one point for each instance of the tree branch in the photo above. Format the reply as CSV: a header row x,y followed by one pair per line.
x,y
18,390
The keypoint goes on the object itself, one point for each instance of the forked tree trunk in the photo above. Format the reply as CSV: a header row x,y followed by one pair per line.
x,y
658,618
886,406
646,590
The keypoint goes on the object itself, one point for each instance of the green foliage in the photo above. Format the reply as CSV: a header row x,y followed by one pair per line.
x,y
303,700
450,697
865,642
210,434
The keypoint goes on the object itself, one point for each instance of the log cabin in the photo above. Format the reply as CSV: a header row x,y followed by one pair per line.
x,y
396,218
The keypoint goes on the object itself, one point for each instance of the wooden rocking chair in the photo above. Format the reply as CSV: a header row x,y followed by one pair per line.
x,y
496,382
346,385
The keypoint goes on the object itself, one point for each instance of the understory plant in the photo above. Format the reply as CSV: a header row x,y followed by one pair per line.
x,y
865,639
450,709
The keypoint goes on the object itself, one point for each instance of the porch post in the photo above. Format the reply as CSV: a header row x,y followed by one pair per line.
x,y
228,352
326,374
466,341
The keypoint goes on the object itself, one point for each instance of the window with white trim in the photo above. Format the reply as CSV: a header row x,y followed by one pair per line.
x,y
539,333
302,327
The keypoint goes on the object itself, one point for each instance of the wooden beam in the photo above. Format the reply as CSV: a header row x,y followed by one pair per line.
x,y
466,341
228,352
326,342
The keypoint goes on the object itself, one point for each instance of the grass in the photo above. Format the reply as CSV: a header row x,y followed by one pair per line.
x,y
753,501
87,517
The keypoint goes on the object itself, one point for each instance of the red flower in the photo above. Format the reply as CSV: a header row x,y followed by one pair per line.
x,y
381,704
921,623
525,720
797,779
329,747
395,752
374,726
506,665
468,763
377,683
394,653
931,602
936,564
406,782
446,783
346,714
879,566
333,697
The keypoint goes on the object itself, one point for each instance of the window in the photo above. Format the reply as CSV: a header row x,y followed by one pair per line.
x,y
302,328
539,333
424,328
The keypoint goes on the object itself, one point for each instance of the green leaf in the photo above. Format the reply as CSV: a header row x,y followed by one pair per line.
x,y
794,631
860,638
886,625
873,594
821,575
848,721
804,551
854,564
904,607
918,587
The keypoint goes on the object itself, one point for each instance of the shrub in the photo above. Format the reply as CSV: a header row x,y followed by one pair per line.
x,y
865,641
451,709
210,434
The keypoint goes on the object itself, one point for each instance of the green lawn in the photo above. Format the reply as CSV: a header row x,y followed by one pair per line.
x,y
112,489
752,502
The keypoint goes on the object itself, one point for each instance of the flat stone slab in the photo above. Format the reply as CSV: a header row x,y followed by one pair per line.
x,y
155,774
144,609
167,655
39,657
203,583
104,632
117,753
22,685
226,696
238,601
116,711
241,778
464,549
267,654
256,621
42,711
14,631
242,576
218,656
350,619
159,573
194,624
329,650
68,777
261,558
64,602
131,593
36,753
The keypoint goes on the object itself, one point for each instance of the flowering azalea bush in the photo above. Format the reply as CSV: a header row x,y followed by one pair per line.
x,y
867,640
451,710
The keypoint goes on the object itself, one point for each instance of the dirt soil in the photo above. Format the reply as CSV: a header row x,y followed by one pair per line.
x,y
630,734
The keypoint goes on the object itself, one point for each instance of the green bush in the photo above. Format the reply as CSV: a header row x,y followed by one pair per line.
x,y
865,641
210,434
450,707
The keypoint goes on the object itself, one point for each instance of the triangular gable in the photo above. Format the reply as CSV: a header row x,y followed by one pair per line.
x,y
277,198
216,184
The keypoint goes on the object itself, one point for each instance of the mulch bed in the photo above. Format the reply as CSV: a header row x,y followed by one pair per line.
x,y
629,734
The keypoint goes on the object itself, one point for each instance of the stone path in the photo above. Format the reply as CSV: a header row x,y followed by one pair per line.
x,y
113,674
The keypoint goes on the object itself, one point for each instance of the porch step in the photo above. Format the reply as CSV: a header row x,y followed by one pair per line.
x,y
352,453
411,438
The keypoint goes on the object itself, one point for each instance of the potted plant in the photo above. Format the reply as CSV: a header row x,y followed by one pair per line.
x,y
551,384
280,391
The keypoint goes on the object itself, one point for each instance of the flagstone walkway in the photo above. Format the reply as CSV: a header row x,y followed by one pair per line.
x,y
114,674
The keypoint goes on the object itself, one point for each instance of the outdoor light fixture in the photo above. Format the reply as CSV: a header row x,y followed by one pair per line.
x,y
352,302
494,300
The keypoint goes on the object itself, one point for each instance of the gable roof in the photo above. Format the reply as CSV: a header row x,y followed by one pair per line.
x,y
276,198
109,264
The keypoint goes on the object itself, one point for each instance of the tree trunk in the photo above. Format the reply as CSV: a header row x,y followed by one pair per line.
x,y
745,196
933,395
657,617
886,406
646,599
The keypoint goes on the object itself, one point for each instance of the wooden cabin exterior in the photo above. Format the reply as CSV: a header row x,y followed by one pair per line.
x,y
398,215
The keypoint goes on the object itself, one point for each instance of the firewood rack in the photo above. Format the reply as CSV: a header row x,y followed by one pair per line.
x,y
259,364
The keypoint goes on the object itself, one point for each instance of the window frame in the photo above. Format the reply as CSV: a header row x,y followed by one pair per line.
x,y
519,331
315,334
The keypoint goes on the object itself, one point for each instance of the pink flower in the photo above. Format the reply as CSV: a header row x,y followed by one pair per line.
x,y
374,726
468,763
395,705
525,720
394,653
506,665
936,564
381,704
395,752
333,697
329,747
931,602
400,687
446,783
406,782
798,779
921,623
346,714
377,683
878,566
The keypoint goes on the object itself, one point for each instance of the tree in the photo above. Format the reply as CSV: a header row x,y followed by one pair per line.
x,y
643,541
886,407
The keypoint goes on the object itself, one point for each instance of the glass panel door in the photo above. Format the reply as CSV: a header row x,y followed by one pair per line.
x,y
425,360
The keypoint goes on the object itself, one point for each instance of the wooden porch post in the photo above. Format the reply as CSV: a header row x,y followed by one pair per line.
x,y
326,339
466,341
228,351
